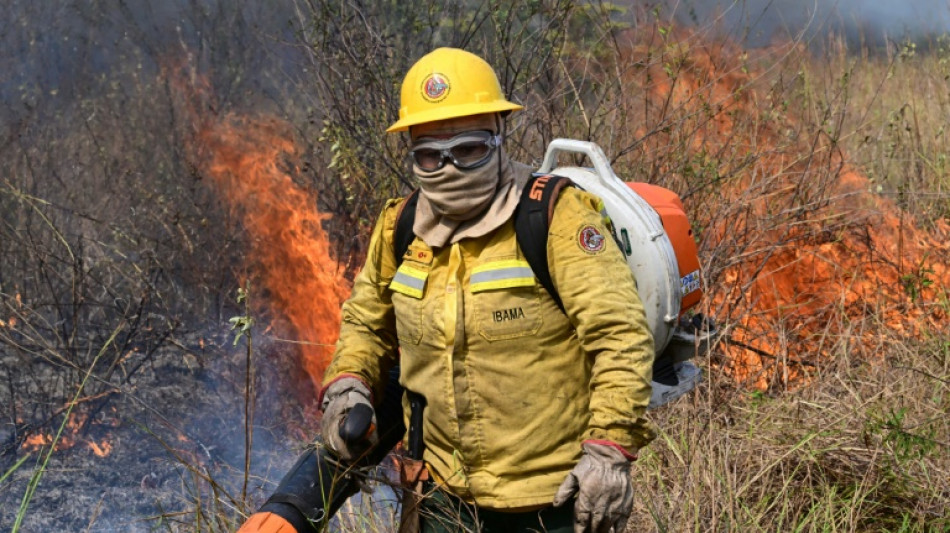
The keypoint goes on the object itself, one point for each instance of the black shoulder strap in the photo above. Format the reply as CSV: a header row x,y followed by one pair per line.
x,y
403,234
532,220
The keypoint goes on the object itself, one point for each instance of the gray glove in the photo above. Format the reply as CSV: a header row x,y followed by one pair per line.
x,y
340,397
601,481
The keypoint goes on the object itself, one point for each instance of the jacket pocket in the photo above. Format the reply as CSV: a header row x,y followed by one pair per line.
x,y
408,287
506,299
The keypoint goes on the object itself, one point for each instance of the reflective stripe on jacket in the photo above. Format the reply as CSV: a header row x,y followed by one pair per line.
x,y
513,385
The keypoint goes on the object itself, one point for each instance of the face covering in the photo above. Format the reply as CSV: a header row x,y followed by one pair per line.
x,y
478,209
457,194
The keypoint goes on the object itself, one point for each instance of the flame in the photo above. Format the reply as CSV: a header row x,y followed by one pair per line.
x,y
814,293
101,449
289,248
799,282
11,321
38,440
70,438
251,162
845,265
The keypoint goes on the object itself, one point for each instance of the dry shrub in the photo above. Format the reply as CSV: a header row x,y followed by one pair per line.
x,y
787,228
91,245
819,284
113,252
824,408
862,448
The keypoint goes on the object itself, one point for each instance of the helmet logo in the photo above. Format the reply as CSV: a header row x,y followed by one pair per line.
x,y
435,87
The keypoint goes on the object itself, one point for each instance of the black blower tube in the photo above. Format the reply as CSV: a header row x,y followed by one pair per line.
x,y
317,485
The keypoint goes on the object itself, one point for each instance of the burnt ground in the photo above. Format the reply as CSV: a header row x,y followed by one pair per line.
x,y
177,440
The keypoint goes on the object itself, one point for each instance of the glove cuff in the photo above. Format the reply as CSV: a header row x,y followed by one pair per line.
x,y
611,444
336,382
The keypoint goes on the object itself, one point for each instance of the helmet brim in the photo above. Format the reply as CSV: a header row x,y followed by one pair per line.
x,y
449,112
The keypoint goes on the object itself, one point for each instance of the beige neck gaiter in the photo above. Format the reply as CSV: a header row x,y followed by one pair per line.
x,y
456,204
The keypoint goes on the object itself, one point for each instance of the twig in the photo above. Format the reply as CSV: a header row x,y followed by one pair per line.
x,y
919,371
244,297
307,343
763,353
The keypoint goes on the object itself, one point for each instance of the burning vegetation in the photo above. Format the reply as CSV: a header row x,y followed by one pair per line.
x,y
74,434
251,162
799,250
817,194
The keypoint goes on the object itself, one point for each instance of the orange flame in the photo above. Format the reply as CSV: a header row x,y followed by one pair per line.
x,y
251,162
816,278
101,449
806,282
289,248
70,438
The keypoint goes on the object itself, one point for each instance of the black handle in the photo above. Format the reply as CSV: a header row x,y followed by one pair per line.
x,y
417,404
358,424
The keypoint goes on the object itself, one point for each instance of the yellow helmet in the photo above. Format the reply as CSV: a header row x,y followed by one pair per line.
x,y
449,83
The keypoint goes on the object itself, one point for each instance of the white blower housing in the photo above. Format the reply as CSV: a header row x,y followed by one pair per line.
x,y
651,256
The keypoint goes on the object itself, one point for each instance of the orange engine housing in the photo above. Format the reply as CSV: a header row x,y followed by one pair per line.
x,y
673,216
267,523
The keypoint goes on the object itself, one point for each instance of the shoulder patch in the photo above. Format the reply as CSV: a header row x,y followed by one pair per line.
x,y
590,239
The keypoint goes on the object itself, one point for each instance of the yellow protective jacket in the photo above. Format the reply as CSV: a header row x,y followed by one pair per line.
x,y
513,385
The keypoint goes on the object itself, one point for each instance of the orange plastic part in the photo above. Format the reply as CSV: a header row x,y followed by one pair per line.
x,y
266,523
668,205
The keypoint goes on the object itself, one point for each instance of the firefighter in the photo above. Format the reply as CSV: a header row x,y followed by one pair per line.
x,y
533,413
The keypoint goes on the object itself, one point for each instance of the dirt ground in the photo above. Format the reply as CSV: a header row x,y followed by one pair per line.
x,y
179,419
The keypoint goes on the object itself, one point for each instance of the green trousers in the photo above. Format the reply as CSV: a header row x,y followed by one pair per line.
x,y
442,512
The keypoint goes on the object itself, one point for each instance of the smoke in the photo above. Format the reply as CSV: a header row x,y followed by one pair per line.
x,y
53,54
871,22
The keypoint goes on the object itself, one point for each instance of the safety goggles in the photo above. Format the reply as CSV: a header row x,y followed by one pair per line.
x,y
466,151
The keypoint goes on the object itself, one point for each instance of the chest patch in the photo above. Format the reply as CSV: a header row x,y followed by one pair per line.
x,y
504,315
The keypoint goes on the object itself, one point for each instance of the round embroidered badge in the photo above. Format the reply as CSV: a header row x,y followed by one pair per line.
x,y
435,87
590,239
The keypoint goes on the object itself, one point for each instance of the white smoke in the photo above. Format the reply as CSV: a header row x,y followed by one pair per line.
x,y
873,22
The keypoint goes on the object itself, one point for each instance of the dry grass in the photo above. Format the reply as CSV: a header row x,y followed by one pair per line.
x,y
825,410
895,107
862,448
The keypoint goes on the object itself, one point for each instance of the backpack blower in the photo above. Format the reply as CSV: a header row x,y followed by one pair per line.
x,y
652,230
